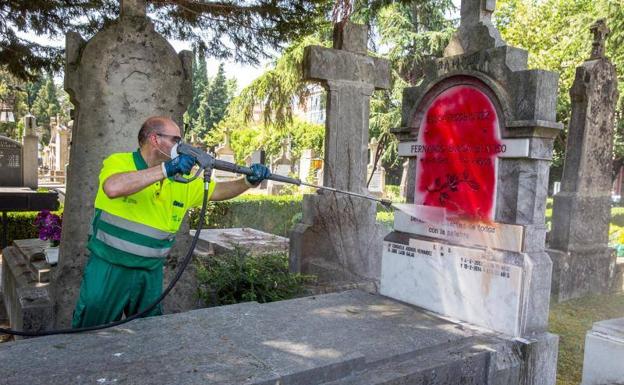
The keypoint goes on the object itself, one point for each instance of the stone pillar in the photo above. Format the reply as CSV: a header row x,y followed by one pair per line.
x,y
225,153
338,238
124,74
30,143
582,261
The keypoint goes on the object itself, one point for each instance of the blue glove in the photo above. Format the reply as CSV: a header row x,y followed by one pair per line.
x,y
260,173
179,165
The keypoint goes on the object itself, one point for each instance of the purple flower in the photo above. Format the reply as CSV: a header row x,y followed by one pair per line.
x,y
49,226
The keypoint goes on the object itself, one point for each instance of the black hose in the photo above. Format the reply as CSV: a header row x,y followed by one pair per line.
x,y
182,267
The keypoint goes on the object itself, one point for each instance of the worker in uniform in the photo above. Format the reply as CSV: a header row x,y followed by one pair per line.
x,y
138,210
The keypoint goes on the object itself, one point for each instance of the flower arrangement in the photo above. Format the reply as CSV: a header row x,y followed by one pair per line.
x,y
49,226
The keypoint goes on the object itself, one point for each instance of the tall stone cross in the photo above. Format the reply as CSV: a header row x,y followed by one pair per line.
x,y
600,31
476,31
350,77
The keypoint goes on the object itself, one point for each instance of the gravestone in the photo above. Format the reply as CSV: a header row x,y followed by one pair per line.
x,y
121,76
377,183
281,166
30,143
478,132
226,154
583,263
604,353
11,163
338,238
305,164
256,242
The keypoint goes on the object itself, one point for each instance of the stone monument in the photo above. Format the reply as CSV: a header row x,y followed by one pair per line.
x,y
11,163
30,142
469,243
283,165
225,153
582,261
338,238
124,74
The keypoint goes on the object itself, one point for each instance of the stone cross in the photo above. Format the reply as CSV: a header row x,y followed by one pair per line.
x,y
476,31
600,31
475,11
133,8
350,77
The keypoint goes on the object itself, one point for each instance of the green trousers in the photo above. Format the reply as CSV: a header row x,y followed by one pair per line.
x,y
108,291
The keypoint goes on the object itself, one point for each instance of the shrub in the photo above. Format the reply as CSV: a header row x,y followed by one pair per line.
x,y
272,214
239,277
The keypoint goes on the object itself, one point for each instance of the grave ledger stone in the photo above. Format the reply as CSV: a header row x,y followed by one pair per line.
x,y
338,238
122,75
478,133
583,263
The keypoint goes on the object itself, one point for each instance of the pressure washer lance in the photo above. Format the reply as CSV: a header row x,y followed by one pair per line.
x,y
204,160
206,163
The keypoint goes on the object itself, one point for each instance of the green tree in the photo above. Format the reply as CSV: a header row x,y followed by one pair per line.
x,y
214,102
200,81
46,106
242,30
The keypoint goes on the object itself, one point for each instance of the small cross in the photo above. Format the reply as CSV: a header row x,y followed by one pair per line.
x,y
133,8
476,11
600,31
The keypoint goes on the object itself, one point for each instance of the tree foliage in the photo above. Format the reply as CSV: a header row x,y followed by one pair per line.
x,y
241,30
556,34
214,101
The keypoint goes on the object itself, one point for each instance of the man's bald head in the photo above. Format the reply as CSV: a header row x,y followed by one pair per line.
x,y
155,124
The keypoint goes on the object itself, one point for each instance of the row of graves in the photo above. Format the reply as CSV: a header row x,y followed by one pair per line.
x,y
457,293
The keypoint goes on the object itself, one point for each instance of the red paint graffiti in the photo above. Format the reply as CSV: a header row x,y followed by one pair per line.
x,y
458,143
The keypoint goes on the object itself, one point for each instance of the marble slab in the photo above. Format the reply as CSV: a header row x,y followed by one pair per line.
x,y
509,148
481,287
433,222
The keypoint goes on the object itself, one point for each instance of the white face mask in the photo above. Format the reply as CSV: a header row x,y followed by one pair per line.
x,y
174,151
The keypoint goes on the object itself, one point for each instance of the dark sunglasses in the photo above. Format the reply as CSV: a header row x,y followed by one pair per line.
x,y
175,138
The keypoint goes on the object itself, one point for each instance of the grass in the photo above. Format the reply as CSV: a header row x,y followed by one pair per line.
x,y
571,320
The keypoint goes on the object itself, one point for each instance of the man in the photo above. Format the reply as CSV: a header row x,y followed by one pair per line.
x,y
138,210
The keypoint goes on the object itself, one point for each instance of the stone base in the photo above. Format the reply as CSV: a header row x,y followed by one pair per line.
x,y
577,274
348,338
28,302
338,239
604,353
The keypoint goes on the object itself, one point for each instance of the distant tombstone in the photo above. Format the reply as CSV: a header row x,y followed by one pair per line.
x,y
305,165
11,163
30,143
583,264
225,153
377,183
124,74
281,166
478,132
